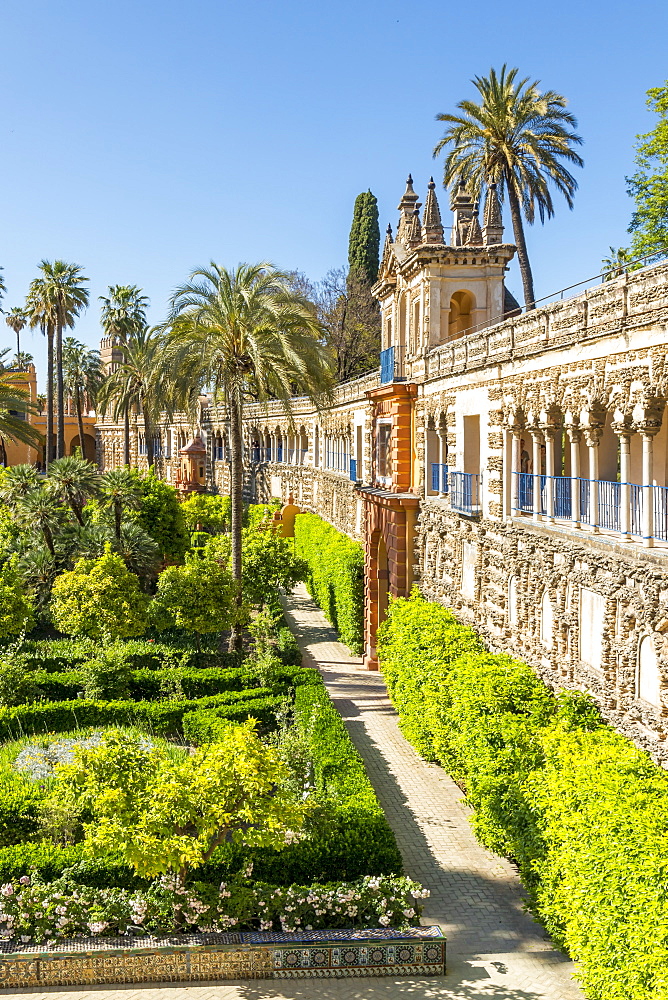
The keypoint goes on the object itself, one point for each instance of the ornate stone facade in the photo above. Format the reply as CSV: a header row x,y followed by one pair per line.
x,y
514,466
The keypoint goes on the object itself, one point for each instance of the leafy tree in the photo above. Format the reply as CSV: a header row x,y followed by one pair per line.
x,y
198,597
269,561
55,299
212,512
161,515
648,186
123,320
16,319
364,240
166,813
120,492
246,335
73,481
99,598
16,608
350,317
83,377
515,137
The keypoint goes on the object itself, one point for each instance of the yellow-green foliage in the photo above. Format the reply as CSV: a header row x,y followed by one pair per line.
x,y
197,597
16,608
99,597
335,575
582,811
212,512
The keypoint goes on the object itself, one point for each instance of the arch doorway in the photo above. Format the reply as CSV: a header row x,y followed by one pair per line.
x,y
460,319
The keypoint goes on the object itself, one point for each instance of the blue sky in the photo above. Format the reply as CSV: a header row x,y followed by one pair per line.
x,y
142,139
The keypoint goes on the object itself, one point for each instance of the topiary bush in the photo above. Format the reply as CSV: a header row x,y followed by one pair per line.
x,y
582,811
335,578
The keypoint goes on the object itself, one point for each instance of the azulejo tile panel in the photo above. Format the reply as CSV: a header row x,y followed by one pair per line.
x,y
314,954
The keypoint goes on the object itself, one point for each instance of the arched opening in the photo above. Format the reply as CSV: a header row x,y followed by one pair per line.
x,y
512,601
546,620
649,676
460,318
88,448
316,447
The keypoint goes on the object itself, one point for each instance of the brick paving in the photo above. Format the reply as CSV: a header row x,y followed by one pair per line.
x,y
495,950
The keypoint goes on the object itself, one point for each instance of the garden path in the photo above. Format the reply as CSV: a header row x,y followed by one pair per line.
x,y
495,950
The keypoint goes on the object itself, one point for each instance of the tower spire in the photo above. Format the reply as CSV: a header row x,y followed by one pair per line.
x,y
492,232
462,207
475,232
387,250
414,230
431,220
407,206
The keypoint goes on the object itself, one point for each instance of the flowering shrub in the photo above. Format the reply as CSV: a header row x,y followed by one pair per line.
x,y
35,911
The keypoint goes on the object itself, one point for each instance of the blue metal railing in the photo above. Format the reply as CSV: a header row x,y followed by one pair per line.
x,y
353,470
525,491
465,492
439,478
387,365
660,512
279,453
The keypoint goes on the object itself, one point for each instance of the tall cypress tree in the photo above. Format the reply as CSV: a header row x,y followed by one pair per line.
x,y
364,243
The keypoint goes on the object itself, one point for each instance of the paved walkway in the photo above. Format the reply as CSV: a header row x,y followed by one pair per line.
x,y
495,950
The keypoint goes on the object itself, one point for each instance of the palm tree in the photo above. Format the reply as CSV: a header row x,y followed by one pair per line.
x,y
143,380
3,286
123,318
82,371
16,319
39,509
74,481
246,334
15,405
616,264
515,137
120,490
55,299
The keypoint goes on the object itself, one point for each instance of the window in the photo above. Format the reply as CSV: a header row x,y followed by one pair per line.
x,y
383,452
546,620
649,677
512,601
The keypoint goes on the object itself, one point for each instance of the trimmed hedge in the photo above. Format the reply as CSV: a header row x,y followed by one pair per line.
x,y
161,717
336,576
57,655
582,811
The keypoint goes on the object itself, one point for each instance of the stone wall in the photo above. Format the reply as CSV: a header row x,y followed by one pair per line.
x,y
577,610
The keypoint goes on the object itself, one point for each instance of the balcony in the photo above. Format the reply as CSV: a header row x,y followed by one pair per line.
x,y
391,365
465,492
353,470
626,509
439,478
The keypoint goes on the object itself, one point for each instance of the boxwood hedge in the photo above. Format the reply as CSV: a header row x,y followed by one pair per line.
x,y
336,575
581,810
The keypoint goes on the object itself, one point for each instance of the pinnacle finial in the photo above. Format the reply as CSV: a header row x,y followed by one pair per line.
x,y
492,219
431,220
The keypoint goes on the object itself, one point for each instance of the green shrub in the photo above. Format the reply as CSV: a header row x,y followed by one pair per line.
x,y
197,597
16,608
99,598
335,576
255,513
17,682
579,808
160,514
212,512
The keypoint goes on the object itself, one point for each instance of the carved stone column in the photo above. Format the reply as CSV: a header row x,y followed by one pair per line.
x,y
442,452
593,438
515,470
537,438
427,469
574,436
623,430
548,434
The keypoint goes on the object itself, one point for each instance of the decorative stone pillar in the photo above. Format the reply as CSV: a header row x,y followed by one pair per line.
x,y
623,431
648,428
548,434
427,470
593,437
537,438
512,472
442,451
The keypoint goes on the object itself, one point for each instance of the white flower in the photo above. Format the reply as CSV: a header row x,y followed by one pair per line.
x,y
7,889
